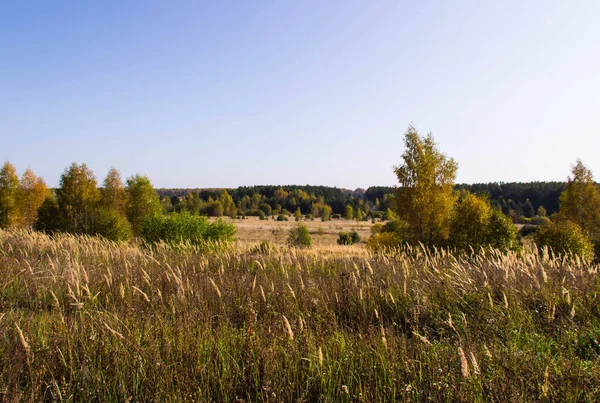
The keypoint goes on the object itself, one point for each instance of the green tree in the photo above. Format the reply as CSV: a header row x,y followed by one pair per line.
x,y
48,217
541,212
167,205
359,215
9,185
112,224
215,208
469,224
229,208
192,203
349,212
565,236
266,208
298,214
78,198
142,202
476,224
425,197
528,210
580,201
30,196
503,234
113,194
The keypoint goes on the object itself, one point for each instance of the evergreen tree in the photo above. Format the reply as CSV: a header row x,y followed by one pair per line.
x,y
528,210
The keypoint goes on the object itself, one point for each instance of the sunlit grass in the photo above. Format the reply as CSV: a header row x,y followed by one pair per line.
x,y
84,319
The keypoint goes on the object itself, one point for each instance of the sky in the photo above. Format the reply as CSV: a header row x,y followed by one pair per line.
x,y
224,94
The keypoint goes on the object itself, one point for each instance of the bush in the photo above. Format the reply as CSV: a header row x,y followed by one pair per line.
x,y
527,230
348,238
565,237
502,232
383,241
112,225
299,237
282,217
392,226
266,209
176,228
538,220
376,229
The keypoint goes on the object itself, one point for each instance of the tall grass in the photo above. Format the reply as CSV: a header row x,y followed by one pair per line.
x,y
84,319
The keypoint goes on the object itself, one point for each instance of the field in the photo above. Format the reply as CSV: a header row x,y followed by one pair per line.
x,y
323,233
84,319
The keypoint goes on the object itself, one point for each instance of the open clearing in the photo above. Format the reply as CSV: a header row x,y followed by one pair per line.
x,y
323,233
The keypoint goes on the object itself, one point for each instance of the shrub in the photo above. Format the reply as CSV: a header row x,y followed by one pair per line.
x,y
539,220
502,233
376,229
183,227
384,241
299,237
393,226
281,217
266,208
348,238
112,225
565,237
527,230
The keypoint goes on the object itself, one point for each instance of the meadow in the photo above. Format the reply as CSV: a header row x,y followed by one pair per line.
x,y
324,234
85,319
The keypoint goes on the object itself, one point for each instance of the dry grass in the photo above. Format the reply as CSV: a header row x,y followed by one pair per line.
x,y
88,320
323,234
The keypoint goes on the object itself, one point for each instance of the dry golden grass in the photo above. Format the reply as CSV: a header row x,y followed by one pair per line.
x,y
323,234
84,319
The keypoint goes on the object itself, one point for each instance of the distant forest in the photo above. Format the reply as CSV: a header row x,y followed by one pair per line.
x,y
516,198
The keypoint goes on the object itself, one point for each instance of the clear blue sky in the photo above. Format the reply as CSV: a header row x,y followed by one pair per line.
x,y
221,94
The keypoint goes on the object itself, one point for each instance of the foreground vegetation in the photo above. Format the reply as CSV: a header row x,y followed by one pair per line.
x,y
85,319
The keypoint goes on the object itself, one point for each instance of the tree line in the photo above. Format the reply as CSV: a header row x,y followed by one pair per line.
x,y
117,210
519,200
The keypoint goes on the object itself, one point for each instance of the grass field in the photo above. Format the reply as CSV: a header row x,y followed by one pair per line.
x,y
323,233
83,319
